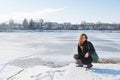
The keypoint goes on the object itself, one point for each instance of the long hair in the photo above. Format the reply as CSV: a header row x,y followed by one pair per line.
x,y
80,42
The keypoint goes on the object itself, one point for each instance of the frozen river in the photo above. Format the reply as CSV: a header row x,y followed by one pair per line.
x,y
55,45
20,50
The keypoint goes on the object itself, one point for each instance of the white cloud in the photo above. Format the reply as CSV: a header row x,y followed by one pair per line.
x,y
35,14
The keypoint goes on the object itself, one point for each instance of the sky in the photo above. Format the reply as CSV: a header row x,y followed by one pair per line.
x,y
74,11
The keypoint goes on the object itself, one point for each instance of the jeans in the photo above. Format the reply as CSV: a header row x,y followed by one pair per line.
x,y
82,60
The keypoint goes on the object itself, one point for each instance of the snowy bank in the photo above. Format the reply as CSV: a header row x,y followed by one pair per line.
x,y
70,72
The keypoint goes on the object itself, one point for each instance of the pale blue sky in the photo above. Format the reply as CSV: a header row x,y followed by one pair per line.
x,y
73,11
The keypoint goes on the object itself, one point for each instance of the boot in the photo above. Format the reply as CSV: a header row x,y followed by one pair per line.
x,y
79,63
89,66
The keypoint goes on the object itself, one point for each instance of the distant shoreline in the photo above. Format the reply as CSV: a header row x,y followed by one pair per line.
x,y
104,31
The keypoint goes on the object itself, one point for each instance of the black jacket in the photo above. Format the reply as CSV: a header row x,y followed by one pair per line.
x,y
87,47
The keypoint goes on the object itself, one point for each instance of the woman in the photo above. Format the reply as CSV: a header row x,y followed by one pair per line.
x,y
85,49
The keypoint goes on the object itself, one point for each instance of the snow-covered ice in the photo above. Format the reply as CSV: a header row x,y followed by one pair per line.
x,y
70,72
27,50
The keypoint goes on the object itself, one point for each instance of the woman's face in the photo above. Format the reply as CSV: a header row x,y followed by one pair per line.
x,y
83,38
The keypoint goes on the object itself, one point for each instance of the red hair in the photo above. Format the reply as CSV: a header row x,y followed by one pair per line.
x,y
80,39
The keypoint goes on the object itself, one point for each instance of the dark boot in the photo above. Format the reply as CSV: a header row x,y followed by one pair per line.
x,y
79,63
89,66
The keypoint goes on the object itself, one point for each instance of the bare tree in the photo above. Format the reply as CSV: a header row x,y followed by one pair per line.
x,y
25,24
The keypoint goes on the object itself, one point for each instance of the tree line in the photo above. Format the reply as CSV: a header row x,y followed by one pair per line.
x,y
41,25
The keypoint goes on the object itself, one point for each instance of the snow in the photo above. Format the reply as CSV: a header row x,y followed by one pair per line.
x,y
8,71
71,72
32,50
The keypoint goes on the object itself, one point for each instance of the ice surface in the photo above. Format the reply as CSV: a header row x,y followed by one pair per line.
x,y
30,49
70,72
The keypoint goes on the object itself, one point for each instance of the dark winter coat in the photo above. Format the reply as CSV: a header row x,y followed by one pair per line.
x,y
87,47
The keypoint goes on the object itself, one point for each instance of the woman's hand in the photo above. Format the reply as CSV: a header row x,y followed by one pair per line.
x,y
87,55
